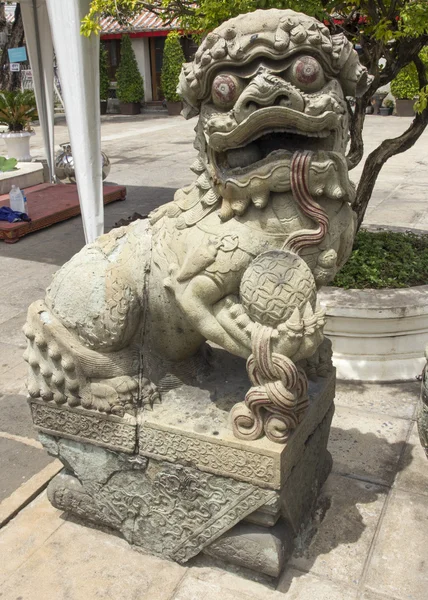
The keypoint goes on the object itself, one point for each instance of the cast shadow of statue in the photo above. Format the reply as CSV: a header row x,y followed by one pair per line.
x,y
348,508
351,500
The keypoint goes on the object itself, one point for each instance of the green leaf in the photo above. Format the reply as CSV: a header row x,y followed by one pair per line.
x,y
7,164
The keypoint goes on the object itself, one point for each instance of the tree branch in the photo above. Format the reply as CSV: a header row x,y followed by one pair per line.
x,y
380,155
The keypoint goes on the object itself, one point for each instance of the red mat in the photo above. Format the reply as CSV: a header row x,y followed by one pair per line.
x,y
50,203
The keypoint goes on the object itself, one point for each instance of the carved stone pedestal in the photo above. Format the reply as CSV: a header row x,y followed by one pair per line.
x,y
175,481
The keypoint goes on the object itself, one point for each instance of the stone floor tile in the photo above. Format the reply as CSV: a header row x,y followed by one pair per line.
x,y
19,462
10,356
8,311
368,595
14,381
399,563
80,563
336,547
413,475
367,445
22,292
305,586
394,399
25,534
216,584
11,330
17,272
15,416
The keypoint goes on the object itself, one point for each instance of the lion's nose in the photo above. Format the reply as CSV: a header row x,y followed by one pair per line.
x,y
265,90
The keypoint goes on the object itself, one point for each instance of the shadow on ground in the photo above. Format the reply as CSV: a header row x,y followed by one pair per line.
x,y
347,514
58,243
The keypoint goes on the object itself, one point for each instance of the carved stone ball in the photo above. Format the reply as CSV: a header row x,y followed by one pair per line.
x,y
274,284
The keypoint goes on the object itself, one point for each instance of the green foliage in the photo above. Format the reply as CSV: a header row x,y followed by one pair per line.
x,y
122,10
17,109
7,164
130,84
200,16
422,102
104,76
406,84
386,20
173,58
385,259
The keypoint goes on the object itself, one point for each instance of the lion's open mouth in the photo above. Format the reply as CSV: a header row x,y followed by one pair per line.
x,y
270,135
272,146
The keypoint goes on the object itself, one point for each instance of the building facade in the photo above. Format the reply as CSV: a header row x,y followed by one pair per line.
x,y
148,33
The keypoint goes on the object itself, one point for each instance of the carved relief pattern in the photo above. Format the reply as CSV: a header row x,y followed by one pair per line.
x,y
107,431
173,513
205,455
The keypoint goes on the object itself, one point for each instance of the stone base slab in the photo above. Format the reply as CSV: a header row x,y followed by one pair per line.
x,y
169,510
170,432
175,482
82,425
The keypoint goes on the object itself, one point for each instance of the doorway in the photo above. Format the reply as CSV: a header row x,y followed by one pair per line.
x,y
156,58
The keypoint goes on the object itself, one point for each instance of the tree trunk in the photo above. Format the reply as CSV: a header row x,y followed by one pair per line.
x,y
388,148
8,80
356,124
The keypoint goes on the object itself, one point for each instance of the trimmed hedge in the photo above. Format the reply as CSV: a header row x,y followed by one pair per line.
x,y
130,84
173,59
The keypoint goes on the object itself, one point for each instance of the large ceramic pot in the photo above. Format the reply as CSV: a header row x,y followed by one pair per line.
x,y
18,145
377,335
174,108
64,164
404,107
130,108
422,415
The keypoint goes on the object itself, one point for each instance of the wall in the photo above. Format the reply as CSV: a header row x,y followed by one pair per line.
x,y
142,54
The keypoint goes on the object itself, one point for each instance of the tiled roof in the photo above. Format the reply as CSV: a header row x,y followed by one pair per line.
x,y
145,21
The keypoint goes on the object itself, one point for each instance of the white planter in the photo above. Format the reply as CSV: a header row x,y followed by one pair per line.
x,y
18,145
25,175
377,335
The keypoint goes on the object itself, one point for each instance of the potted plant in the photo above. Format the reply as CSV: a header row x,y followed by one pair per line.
x,y
377,100
104,80
173,59
405,87
387,108
130,84
17,111
377,313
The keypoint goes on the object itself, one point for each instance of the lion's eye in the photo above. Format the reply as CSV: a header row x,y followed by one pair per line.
x,y
307,74
226,89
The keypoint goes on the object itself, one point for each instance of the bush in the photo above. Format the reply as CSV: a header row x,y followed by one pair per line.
x,y
104,76
406,84
385,259
173,59
130,84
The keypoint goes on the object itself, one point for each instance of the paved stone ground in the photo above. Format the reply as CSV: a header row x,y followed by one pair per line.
x,y
370,538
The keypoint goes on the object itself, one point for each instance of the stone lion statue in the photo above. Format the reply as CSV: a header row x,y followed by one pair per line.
x,y
236,258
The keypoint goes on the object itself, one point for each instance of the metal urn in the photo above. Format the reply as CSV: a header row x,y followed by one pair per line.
x,y
64,164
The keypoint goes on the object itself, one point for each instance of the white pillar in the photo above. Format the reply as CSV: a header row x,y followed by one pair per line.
x,y
78,62
40,51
